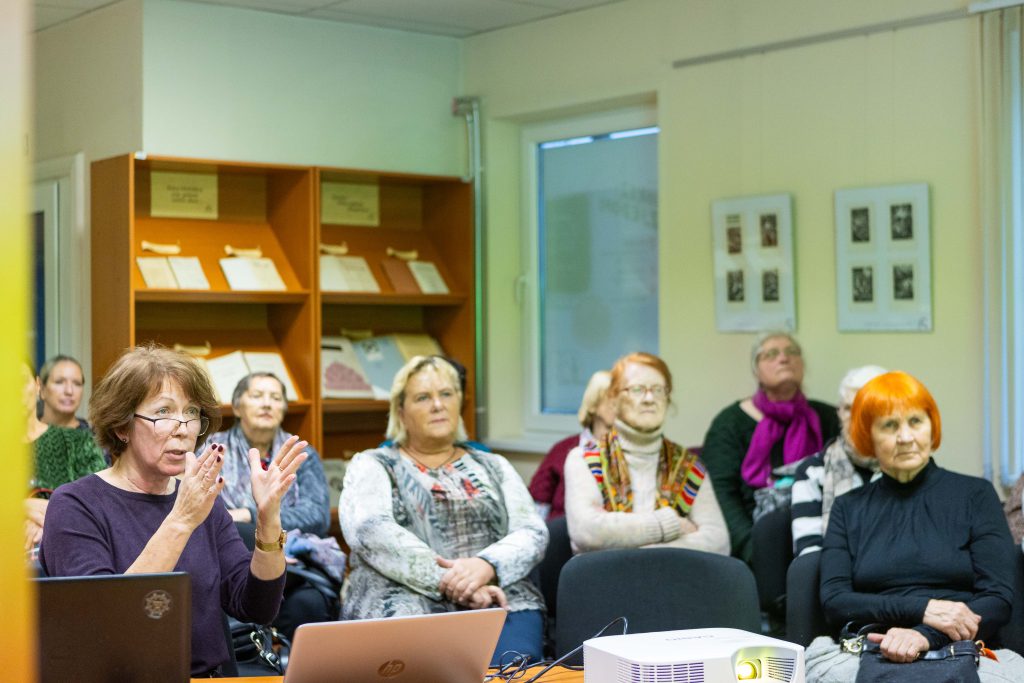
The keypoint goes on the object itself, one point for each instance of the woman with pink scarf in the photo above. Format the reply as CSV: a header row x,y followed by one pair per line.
x,y
777,426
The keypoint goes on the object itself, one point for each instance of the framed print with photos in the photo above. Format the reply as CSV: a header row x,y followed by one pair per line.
x,y
883,259
753,244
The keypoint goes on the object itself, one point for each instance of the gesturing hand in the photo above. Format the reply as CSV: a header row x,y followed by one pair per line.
x,y
955,619
487,596
465,576
270,485
200,485
900,644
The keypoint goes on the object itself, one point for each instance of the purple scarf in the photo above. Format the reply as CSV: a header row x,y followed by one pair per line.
x,y
793,420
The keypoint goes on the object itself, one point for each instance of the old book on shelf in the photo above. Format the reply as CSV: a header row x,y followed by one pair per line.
x,y
156,272
428,277
256,274
271,361
342,373
381,360
225,371
188,271
411,345
346,274
334,472
400,276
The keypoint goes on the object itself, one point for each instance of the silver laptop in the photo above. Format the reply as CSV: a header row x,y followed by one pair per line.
x,y
453,647
107,629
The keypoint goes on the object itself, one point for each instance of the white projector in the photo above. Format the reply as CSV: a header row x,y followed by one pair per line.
x,y
704,655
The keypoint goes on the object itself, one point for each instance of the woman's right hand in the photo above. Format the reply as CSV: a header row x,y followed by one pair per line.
x,y
955,619
200,485
901,645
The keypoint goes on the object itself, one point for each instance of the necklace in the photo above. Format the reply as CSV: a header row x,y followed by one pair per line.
x,y
453,456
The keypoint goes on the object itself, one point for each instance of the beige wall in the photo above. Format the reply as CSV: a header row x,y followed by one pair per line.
x,y
891,107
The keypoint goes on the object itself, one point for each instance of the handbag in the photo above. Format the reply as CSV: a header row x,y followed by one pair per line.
x,y
954,663
255,653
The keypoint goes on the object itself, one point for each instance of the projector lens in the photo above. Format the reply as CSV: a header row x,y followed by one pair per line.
x,y
746,671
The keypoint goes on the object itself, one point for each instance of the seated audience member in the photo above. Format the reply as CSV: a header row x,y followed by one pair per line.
x,y
259,404
921,551
637,488
776,426
435,525
839,468
596,415
61,383
1012,508
157,508
60,456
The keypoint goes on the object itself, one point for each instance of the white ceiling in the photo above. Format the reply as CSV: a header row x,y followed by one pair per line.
x,y
458,18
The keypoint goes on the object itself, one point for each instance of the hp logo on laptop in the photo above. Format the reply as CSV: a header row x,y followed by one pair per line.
x,y
391,668
156,604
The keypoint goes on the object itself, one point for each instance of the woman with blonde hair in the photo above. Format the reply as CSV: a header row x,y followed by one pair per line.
x,y
596,415
435,525
635,487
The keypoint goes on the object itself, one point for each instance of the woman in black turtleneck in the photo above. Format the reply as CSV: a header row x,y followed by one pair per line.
x,y
922,550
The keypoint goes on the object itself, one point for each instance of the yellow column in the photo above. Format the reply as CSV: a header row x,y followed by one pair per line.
x,y
16,599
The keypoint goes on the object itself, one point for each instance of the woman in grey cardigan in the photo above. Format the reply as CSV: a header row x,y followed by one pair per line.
x,y
436,526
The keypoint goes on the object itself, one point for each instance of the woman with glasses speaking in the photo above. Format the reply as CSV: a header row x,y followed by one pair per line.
x,y
637,488
156,509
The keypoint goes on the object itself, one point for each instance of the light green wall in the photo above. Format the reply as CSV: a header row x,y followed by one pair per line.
x,y
892,107
235,84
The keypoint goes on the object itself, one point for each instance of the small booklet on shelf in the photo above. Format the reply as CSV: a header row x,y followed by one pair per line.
x,y
334,472
401,277
226,371
428,277
346,274
271,361
410,345
257,274
380,360
342,373
188,271
156,272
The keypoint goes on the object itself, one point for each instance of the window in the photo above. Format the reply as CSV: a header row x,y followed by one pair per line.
x,y
592,246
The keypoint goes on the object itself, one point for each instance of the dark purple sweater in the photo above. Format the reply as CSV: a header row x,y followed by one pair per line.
x,y
93,528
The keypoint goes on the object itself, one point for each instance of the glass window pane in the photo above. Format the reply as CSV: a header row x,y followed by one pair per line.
x,y
598,248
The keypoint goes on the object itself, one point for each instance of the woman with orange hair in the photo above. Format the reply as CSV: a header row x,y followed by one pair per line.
x,y
923,551
637,488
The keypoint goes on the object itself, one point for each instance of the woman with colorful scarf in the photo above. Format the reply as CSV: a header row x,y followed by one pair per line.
x,y
776,426
637,488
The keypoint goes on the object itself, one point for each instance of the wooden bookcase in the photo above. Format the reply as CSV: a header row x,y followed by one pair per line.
x,y
276,208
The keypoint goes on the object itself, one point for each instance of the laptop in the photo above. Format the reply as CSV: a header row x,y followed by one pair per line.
x,y
114,628
451,647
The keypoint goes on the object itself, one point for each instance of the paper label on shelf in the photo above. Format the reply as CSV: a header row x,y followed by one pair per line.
x,y
350,204
183,195
428,277
271,361
225,371
346,274
258,274
343,375
156,272
188,271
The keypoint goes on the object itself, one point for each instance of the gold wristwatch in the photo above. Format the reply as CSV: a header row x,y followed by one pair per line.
x,y
273,546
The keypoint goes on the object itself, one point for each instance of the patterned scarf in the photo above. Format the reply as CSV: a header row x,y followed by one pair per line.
x,y
794,421
839,475
237,491
680,474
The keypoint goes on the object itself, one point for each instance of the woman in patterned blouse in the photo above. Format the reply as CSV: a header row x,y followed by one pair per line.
x,y
435,525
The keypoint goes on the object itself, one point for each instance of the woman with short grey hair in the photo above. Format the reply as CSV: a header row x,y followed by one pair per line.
x,y
435,525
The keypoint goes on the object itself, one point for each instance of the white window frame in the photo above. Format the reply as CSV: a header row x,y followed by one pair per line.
x,y
539,429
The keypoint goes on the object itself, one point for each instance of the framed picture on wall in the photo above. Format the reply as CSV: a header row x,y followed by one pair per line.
x,y
883,259
753,243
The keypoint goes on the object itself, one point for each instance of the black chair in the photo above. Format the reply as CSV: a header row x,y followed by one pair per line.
x,y
656,589
558,553
1012,634
805,619
772,541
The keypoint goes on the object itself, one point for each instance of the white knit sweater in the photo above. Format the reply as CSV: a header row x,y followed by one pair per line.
x,y
591,527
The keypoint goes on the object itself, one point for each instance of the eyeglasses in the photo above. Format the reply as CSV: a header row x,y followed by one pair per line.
x,y
165,426
772,354
640,390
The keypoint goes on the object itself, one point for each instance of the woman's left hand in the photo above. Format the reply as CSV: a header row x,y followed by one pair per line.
x,y
270,485
464,577
900,644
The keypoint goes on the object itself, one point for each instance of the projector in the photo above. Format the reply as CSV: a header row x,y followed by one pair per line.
x,y
703,655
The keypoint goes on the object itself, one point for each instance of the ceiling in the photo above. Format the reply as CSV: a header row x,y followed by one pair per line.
x,y
458,18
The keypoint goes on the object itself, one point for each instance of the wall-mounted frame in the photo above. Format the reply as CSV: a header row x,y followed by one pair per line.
x,y
883,259
753,243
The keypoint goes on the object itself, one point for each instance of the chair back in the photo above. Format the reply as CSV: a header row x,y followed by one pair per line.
x,y
656,589
557,554
1012,634
805,619
772,544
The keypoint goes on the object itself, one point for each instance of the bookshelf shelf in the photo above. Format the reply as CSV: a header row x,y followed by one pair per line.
x,y
187,296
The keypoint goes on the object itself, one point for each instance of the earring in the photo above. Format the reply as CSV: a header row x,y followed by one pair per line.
x,y
124,439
